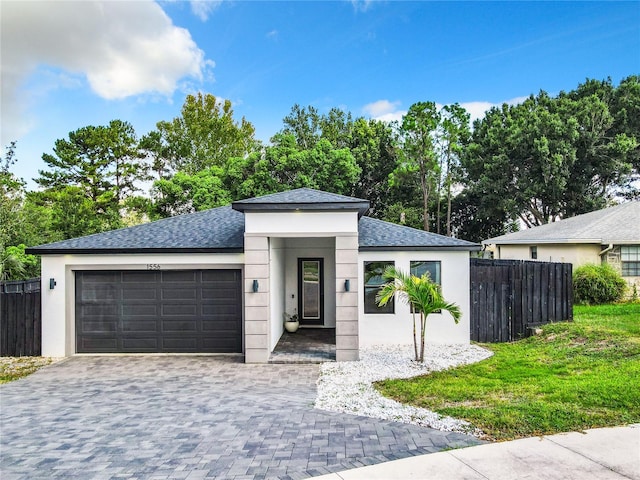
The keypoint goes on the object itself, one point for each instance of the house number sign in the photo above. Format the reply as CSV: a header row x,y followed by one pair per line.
x,y
153,266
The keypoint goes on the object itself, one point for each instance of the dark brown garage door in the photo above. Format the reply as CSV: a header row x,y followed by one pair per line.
x,y
177,311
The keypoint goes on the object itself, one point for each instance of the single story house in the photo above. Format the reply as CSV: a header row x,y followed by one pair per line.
x,y
221,280
610,235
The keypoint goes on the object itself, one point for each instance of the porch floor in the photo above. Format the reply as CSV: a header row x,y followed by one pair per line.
x,y
307,345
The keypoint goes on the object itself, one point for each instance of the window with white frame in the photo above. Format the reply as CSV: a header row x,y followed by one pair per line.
x,y
373,281
630,257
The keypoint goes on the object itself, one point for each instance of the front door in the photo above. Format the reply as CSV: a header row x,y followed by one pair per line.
x,y
311,291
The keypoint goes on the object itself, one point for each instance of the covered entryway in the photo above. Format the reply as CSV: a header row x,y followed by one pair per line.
x,y
169,311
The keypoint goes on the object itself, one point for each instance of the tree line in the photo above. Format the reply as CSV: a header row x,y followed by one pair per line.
x,y
547,158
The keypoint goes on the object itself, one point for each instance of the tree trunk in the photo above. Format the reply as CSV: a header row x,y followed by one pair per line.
x,y
415,339
425,198
448,194
439,202
423,322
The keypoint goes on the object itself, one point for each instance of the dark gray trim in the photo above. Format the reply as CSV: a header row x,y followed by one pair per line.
x,y
106,251
360,207
320,321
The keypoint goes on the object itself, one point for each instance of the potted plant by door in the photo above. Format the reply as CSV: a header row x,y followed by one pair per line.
x,y
291,322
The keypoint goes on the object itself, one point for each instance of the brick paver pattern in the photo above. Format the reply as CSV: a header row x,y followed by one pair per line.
x,y
181,417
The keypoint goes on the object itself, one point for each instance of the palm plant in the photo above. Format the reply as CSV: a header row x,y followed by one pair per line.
x,y
11,266
422,295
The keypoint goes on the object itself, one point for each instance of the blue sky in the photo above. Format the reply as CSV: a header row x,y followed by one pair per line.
x,y
66,65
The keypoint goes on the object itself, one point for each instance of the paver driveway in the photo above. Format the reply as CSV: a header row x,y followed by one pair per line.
x,y
188,417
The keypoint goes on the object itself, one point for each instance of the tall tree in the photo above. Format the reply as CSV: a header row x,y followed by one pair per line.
x,y
100,164
127,165
11,196
157,154
453,136
303,124
553,157
418,162
373,144
204,135
522,156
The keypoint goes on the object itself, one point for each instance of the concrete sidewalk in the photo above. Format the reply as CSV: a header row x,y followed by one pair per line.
x,y
602,454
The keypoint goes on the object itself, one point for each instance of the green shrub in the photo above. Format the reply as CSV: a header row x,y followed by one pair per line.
x,y
597,284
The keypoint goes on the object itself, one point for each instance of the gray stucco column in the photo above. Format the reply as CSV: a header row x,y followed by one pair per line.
x,y
256,304
347,343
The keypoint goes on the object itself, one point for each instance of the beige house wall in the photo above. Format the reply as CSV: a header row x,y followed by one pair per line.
x,y
576,254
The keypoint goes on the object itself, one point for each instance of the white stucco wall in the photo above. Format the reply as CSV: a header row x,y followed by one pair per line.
x,y
311,248
277,255
292,224
397,328
58,305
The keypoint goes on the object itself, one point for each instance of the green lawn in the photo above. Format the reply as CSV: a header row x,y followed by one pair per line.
x,y
12,368
574,376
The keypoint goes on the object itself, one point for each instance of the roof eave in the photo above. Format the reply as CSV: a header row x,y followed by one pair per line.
x,y
414,248
360,207
532,241
107,251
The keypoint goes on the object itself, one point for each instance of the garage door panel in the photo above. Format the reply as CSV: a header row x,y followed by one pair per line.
x,y
99,345
220,276
138,277
179,309
175,326
99,310
179,293
228,309
151,311
220,326
182,344
100,277
150,326
139,310
140,344
140,293
100,326
178,276
100,293
219,293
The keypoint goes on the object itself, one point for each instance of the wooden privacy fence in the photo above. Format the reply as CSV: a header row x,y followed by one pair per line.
x,y
20,318
509,298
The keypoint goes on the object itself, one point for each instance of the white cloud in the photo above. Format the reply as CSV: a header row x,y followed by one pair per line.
x,y
478,109
387,111
202,8
361,5
122,49
272,35
384,110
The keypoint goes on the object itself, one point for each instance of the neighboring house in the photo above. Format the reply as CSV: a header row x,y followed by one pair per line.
x,y
611,235
219,281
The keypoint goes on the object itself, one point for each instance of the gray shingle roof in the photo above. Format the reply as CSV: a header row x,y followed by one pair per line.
x,y
302,199
218,229
375,234
222,230
617,225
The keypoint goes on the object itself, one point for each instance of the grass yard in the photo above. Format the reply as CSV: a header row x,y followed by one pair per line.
x,y
574,376
12,368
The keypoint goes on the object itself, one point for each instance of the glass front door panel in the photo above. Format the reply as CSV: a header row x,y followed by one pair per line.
x,y
311,289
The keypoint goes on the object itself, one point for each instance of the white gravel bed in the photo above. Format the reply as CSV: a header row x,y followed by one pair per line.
x,y
347,386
